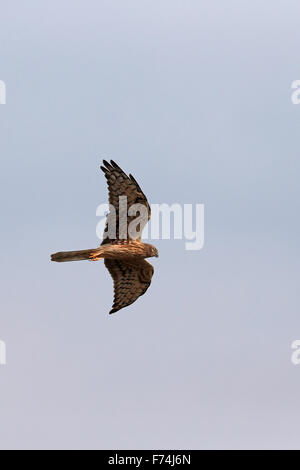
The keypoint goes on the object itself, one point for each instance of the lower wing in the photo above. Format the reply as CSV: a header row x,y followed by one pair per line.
x,y
131,280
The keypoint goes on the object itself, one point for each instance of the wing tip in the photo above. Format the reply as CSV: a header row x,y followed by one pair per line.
x,y
114,164
107,164
111,165
113,310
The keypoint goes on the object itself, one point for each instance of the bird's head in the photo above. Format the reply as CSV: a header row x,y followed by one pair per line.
x,y
154,251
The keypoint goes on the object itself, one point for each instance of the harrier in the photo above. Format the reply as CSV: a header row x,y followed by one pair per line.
x,y
124,257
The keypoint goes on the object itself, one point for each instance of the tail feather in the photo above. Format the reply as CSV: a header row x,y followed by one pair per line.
x,y
78,255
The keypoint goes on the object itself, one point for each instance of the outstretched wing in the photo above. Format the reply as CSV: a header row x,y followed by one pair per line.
x,y
119,184
131,280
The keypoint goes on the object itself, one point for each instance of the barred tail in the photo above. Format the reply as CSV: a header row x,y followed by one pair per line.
x,y
63,256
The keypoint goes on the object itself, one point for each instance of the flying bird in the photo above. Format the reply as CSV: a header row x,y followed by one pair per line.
x,y
124,256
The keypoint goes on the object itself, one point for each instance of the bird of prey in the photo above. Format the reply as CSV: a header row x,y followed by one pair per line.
x,y
124,256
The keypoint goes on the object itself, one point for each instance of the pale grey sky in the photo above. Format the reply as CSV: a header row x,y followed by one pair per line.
x,y
193,98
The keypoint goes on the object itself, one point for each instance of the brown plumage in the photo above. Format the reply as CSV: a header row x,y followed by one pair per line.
x,y
124,258
131,280
119,184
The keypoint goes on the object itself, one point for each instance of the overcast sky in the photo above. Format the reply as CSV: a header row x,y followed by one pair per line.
x,y
193,98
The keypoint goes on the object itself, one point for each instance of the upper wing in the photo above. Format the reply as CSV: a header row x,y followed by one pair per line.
x,y
131,280
119,184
